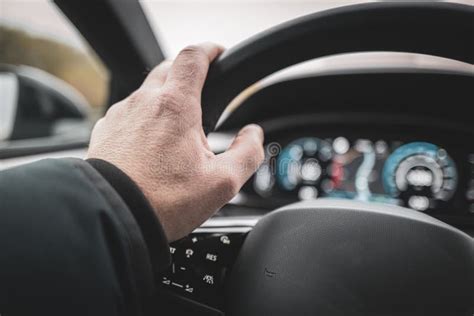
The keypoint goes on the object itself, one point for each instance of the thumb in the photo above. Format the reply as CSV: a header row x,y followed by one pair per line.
x,y
244,155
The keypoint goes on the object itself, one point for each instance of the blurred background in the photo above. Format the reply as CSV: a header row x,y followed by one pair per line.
x,y
35,33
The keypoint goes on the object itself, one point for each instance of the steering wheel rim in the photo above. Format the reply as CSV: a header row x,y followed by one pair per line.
x,y
396,27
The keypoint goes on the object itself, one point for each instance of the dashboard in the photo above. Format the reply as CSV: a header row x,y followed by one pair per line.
x,y
432,174
394,136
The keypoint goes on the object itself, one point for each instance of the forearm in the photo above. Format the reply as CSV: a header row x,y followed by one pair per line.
x,y
70,244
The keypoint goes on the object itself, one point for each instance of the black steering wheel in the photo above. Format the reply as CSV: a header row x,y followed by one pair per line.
x,y
344,257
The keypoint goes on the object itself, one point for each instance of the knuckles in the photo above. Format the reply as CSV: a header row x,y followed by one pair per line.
x,y
194,59
156,101
138,97
193,52
112,111
168,100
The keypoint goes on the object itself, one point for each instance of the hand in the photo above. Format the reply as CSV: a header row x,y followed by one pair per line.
x,y
155,136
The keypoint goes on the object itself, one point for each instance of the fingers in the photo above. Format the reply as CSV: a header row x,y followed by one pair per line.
x,y
189,70
157,77
243,157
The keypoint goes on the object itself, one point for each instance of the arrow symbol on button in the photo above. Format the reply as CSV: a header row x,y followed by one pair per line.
x,y
269,273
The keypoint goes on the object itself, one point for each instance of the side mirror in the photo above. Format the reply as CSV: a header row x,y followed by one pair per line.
x,y
37,107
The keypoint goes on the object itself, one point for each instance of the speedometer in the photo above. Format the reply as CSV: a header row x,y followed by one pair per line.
x,y
421,175
302,165
418,175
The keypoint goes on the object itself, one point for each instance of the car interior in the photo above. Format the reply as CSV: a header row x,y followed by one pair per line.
x,y
367,187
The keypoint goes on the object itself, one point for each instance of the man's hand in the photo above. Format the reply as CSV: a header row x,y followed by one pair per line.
x,y
156,137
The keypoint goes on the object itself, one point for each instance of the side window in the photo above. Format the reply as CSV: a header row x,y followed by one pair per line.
x,y
53,87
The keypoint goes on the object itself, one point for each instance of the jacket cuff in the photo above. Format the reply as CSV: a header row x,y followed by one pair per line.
x,y
152,231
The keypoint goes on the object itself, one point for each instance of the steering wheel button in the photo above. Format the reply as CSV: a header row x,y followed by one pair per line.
x,y
225,240
188,288
208,279
188,253
166,281
211,257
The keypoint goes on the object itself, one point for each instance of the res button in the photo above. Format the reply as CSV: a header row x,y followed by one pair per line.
x,y
211,257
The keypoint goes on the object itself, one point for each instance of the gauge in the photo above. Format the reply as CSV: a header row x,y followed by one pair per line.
x,y
421,175
302,165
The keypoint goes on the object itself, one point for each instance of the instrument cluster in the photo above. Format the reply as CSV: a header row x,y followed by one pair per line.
x,y
417,174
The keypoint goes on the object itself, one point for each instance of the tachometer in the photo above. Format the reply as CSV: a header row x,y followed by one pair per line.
x,y
421,175
302,165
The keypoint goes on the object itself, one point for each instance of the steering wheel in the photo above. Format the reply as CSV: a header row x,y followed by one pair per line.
x,y
345,257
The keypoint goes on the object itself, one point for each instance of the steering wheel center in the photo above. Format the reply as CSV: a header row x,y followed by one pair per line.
x,y
331,257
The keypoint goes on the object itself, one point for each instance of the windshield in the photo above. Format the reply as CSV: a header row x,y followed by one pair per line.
x,y
179,23
227,22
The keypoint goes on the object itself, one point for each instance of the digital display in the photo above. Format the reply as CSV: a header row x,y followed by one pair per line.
x,y
419,175
356,171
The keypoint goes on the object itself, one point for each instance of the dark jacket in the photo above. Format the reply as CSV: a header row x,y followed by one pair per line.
x,y
77,238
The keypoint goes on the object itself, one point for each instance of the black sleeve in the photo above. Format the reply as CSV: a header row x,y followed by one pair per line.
x,y
76,238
